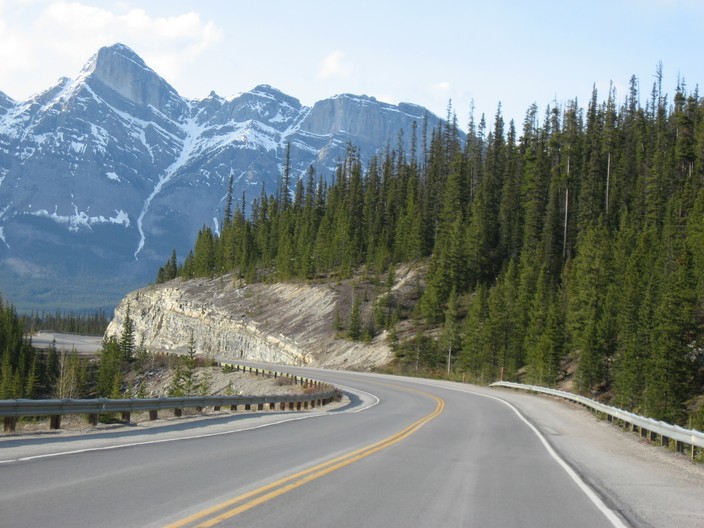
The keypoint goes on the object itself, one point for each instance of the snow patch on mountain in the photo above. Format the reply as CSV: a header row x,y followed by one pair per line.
x,y
192,131
81,219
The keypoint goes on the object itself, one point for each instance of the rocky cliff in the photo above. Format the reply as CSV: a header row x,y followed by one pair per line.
x,y
290,323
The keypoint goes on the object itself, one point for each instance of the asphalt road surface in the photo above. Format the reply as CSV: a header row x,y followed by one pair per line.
x,y
396,453
68,342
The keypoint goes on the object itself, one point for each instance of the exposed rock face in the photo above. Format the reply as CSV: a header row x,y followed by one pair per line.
x,y
122,70
280,323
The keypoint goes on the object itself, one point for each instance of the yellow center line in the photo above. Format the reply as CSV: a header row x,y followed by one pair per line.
x,y
286,484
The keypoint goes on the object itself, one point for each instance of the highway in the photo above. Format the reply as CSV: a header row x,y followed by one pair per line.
x,y
396,453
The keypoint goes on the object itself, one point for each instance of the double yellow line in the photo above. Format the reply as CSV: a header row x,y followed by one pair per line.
x,y
253,498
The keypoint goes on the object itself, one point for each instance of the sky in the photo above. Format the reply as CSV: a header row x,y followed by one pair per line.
x,y
470,53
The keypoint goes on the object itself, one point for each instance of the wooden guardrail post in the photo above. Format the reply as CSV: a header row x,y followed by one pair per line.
x,y
10,424
11,410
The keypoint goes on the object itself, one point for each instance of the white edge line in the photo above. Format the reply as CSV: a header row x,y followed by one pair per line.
x,y
196,437
588,491
376,402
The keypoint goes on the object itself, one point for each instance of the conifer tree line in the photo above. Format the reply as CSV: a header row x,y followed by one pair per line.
x,y
20,373
93,322
26,372
576,239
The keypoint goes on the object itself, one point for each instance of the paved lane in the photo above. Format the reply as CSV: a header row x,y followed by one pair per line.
x,y
422,456
88,345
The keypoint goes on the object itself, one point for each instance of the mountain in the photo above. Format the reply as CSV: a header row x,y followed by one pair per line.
x,y
101,176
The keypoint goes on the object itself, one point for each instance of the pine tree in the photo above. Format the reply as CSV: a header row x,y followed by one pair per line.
x,y
354,331
110,367
474,357
586,291
127,338
227,216
668,378
450,340
186,380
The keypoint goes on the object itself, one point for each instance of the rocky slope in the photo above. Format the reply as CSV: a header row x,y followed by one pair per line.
x,y
286,323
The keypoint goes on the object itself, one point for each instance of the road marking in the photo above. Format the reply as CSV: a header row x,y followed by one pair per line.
x,y
291,482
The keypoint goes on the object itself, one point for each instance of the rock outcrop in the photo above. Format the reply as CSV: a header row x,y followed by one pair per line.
x,y
286,323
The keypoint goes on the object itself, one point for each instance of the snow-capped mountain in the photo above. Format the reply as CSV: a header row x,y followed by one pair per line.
x,y
101,176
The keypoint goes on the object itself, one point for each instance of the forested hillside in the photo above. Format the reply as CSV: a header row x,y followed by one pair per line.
x,y
576,237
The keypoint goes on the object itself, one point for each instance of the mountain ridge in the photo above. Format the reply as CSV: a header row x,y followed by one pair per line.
x,y
114,168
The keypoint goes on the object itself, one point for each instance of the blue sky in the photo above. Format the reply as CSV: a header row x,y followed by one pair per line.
x,y
513,52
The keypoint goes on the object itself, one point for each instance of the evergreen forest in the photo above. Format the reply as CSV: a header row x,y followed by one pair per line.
x,y
93,322
568,245
26,372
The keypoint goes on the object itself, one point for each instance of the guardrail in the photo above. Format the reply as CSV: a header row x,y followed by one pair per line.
x,y
646,427
296,380
318,394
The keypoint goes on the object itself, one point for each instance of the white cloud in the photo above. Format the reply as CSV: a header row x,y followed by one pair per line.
x,y
440,88
335,65
62,35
